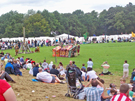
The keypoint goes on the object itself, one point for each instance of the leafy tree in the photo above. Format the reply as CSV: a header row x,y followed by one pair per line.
x,y
36,26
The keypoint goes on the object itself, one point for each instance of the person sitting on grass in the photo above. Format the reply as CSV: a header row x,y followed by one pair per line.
x,y
91,74
90,64
9,67
133,74
5,60
103,96
131,93
124,93
112,86
47,77
54,71
22,60
5,75
74,64
122,81
61,70
1,54
83,66
16,69
35,69
83,76
105,66
28,65
93,93
44,65
50,65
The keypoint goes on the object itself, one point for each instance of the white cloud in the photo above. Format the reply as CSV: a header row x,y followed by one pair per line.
x,y
62,6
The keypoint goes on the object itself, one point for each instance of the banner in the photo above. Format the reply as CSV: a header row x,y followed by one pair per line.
x,y
85,36
133,35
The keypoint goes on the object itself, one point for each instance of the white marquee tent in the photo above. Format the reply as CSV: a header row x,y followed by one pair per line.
x,y
62,36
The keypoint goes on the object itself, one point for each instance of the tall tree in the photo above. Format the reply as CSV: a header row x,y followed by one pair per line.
x,y
36,26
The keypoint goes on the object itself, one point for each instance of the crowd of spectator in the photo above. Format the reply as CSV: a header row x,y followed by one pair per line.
x,y
50,73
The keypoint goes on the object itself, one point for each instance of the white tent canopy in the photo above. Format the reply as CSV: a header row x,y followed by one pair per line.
x,y
64,36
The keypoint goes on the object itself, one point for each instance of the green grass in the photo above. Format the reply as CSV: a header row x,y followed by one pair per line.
x,y
114,53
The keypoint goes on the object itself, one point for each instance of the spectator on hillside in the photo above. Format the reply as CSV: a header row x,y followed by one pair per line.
x,y
50,65
125,69
122,81
103,96
70,65
7,93
5,75
2,54
35,69
22,60
83,76
90,63
124,93
47,77
112,86
91,74
28,65
16,68
24,65
83,66
131,93
93,93
9,67
133,74
61,70
133,84
74,63
54,71
105,66
44,65
5,60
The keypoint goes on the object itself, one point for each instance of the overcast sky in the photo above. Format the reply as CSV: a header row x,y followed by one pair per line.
x,y
62,6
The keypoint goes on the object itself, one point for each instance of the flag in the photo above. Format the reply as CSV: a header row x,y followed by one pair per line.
x,y
133,35
85,36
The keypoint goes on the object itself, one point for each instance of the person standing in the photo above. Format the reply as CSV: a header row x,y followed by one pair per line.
x,y
125,69
70,65
78,49
16,49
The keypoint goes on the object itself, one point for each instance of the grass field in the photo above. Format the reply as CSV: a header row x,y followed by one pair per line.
x,y
114,53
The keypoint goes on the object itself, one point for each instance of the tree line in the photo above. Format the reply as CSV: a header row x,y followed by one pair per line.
x,y
115,20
